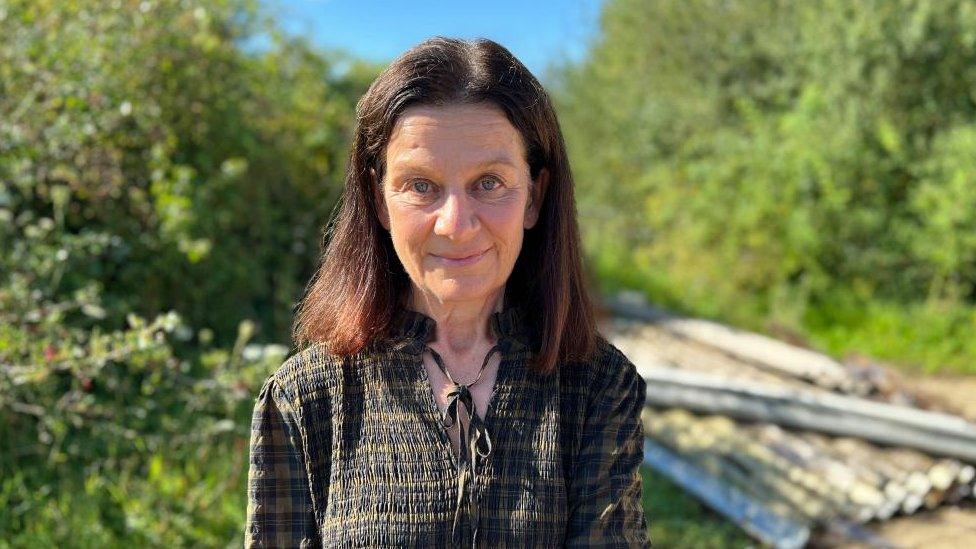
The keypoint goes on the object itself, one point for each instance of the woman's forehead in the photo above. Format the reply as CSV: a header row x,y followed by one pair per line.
x,y
476,133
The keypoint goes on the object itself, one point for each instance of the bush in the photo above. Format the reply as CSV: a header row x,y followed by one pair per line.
x,y
166,167
756,160
212,164
113,437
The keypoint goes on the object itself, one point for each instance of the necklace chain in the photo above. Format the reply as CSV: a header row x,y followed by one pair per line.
x,y
440,364
474,442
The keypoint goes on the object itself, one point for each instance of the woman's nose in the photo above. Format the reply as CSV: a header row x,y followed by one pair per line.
x,y
455,217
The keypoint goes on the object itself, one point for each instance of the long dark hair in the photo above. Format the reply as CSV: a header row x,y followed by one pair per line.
x,y
360,281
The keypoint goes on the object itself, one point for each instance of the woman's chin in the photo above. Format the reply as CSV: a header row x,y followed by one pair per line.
x,y
460,290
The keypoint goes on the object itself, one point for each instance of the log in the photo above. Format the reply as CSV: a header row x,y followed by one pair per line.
x,y
765,352
895,492
791,479
783,459
934,433
859,487
753,517
915,481
637,338
719,437
752,478
725,478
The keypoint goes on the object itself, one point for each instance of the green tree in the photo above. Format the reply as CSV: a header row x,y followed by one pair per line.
x,y
213,166
753,158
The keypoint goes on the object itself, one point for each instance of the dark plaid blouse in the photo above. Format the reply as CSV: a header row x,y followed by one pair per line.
x,y
351,452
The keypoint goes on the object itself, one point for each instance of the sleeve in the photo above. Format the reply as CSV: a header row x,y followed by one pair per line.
x,y
279,503
604,497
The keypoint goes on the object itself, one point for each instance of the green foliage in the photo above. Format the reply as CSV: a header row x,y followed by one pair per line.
x,y
931,337
757,159
946,199
162,190
214,168
113,437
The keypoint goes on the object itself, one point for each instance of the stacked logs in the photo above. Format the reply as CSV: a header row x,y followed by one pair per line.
x,y
785,441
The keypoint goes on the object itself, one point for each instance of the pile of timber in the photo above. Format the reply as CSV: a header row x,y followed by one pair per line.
x,y
788,443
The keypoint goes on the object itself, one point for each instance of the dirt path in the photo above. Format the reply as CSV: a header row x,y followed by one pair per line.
x,y
944,528
957,392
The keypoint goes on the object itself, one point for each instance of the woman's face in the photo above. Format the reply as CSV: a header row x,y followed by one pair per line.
x,y
456,199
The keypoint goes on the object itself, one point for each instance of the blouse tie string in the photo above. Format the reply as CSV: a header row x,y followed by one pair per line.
x,y
475,442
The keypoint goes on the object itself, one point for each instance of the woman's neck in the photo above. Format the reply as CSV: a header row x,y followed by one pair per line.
x,y
462,327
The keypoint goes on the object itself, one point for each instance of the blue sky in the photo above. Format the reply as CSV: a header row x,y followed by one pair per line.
x,y
537,32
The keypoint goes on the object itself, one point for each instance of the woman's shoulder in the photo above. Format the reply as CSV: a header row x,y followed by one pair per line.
x,y
608,358
597,392
605,361
309,370
608,374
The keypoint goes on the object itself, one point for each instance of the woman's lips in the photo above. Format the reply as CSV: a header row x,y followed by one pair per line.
x,y
459,262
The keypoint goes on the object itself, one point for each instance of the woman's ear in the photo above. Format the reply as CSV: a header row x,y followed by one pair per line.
x,y
536,192
381,211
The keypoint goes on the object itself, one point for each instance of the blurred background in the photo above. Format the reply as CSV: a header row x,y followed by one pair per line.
x,y
804,170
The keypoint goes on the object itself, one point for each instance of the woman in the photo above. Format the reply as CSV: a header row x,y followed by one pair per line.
x,y
454,390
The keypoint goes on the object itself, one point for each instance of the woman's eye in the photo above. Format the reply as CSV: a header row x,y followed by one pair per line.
x,y
421,186
489,184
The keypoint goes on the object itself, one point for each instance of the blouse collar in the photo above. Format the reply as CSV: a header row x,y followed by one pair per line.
x,y
507,325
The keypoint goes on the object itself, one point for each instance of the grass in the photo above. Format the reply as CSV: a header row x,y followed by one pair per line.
x,y
929,338
677,520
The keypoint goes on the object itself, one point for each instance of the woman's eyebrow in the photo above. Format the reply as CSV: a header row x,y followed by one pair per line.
x,y
504,160
407,165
